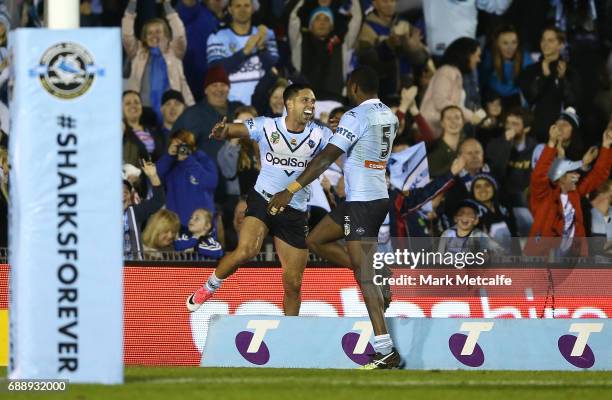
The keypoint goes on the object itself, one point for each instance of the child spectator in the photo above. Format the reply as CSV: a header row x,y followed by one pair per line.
x,y
199,238
465,236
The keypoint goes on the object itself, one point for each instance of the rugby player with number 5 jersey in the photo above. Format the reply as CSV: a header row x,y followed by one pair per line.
x,y
365,134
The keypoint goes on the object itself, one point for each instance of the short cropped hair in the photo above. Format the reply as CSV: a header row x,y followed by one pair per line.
x,y
366,79
292,90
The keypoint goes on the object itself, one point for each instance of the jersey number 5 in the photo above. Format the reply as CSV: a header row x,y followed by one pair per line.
x,y
386,141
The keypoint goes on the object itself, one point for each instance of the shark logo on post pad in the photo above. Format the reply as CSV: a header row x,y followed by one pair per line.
x,y
66,70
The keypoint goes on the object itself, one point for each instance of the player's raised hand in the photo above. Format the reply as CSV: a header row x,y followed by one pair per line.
x,y
279,202
219,131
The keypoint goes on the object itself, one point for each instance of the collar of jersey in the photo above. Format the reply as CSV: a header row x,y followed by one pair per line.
x,y
371,101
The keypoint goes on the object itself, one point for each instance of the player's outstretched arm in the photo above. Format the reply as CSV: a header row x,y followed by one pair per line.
x,y
222,130
317,166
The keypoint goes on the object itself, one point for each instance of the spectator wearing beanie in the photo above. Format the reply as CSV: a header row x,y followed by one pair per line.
x,y
495,219
320,55
215,105
568,145
555,198
173,105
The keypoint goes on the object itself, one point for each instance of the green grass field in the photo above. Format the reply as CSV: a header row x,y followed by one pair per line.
x,y
268,384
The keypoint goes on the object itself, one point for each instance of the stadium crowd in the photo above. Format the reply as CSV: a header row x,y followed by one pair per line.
x,y
513,99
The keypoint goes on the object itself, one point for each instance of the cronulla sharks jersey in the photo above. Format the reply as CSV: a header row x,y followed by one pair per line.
x,y
285,154
366,134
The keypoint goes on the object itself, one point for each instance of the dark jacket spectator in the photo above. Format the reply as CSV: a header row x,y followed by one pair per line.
x,y
201,117
549,85
509,157
318,53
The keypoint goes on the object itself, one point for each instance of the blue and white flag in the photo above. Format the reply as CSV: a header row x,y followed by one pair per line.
x,y
408,168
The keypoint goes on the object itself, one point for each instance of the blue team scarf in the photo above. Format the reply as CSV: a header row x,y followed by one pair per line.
x,y
158,80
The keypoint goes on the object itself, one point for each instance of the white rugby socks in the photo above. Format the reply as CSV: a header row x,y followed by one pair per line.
x,y
213,283
383,344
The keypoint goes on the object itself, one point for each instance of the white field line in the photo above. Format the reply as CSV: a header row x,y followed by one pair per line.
x,y
368,382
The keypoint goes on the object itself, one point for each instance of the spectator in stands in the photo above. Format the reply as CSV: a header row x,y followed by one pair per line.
x,y
407,218
4,197
246,52
156,58
495,219
319,54
556,193
342,12
135,214
408,104
464,236
159,234
133,118
390,45
502,64
189,175
569,142
448,20
510,159
270,103
549,85
173,105
200,20
198,238
201,117
472,152
493,125
446,87
444,150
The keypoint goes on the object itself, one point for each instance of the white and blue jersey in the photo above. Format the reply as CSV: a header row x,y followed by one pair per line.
x,y
244,71
366,134
285,154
